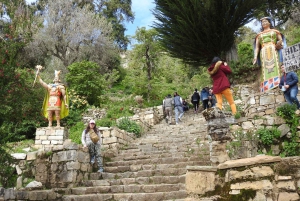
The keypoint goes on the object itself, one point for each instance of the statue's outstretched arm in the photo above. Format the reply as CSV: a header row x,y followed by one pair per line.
x,y
42,82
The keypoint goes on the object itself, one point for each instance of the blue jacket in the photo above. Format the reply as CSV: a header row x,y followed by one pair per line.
x,y
204,94
290,79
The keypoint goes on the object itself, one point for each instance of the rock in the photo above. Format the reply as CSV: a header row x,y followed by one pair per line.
x,y
19,156
34,185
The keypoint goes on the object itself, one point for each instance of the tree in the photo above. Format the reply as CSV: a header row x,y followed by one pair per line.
x,y
198,30
84,78
146,52
279,10
71,34
115,11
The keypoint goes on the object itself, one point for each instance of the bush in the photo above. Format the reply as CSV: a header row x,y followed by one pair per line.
x,y
106,122
267,136
76,131
130,126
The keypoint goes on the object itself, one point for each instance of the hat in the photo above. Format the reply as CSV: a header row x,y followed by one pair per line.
x,y
92,122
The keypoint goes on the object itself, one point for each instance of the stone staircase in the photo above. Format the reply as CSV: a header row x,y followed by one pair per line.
x,y
152,168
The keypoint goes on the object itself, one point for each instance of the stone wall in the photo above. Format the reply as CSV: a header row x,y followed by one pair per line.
x,y
256,179
47,137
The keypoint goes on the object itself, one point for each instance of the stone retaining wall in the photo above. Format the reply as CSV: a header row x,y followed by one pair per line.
x,y
256,179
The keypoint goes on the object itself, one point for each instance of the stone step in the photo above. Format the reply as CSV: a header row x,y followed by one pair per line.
x,y
131,188
157,196
144,173
166,152
145,160
134,168
138,180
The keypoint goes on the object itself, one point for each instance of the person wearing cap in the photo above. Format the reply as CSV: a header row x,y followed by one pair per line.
x,y
289,85
94,148
268,47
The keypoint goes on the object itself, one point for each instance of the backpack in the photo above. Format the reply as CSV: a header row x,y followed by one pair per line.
x,y
195,96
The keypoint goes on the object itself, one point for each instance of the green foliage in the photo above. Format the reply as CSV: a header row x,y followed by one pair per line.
x,y
106,122
267,135
75,115
287,112
242,67
199,30
271,7
76,131
130,126
291,148
86,81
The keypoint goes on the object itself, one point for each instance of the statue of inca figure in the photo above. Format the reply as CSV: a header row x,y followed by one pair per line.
x,y
56,99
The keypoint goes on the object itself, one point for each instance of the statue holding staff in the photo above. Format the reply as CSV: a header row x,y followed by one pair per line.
x,y
267,54
56,99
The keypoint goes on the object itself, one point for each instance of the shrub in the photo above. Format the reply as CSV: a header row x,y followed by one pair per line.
x,y
76,131
267,136
130,126
106,122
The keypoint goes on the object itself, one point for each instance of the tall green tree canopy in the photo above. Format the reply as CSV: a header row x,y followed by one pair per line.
x,y
279,10
198,30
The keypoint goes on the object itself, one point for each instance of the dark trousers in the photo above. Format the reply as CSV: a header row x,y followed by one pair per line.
x,y
196,105
205,104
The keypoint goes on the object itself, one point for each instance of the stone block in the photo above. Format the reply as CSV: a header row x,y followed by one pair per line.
x,y
70,155
247,125
83,157
270,111
262,171
31,155
232,175
58,148
110,140
40,131
44,142
38,195
284,196
286,185
266,100
67,176
56,137
43,137
50,131
255,185
9,194
60,132
19,156
107,133
38,142
73,165
198,182
261,159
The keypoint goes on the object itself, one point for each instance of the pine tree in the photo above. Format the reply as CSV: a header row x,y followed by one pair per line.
x,y
198,30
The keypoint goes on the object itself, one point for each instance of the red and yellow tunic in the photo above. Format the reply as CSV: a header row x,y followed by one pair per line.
x,y
54,102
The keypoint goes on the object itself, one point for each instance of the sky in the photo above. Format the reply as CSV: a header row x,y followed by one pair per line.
x,y
142,14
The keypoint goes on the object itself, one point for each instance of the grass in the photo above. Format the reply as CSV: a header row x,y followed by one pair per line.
x,y
17,147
